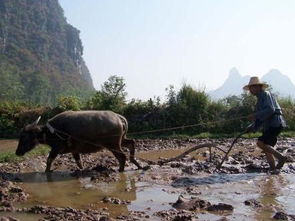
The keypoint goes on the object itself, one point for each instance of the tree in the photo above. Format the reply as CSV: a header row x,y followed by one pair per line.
x,y
114,88
187,106
68,103
112,95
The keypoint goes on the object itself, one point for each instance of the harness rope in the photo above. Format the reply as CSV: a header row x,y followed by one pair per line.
x,y
186,126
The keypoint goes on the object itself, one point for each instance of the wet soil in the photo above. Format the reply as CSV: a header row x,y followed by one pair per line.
x,y
186,189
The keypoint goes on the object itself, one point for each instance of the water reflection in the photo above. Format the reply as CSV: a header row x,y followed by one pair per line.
x,y
270,189
276,193
64,190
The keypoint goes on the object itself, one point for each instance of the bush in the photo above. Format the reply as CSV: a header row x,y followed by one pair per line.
x,y
288,106
8,114
188,106
15,115
69,103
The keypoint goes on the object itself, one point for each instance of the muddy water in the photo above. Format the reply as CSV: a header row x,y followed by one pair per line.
x,y
276,193
8,145
61,189
155,155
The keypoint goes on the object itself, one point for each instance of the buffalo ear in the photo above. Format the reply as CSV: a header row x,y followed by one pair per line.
x,y
32,125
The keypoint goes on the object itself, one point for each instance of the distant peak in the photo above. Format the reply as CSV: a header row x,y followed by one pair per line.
x,y
274,72
234,83
234,72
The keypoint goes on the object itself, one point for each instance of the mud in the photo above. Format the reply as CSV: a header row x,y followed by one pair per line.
x,y
186,189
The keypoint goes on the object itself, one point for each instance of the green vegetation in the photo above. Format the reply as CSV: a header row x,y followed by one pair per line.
x,y
111,96
188,106
6,157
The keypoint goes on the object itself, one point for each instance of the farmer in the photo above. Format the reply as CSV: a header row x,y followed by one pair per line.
x,y
268,114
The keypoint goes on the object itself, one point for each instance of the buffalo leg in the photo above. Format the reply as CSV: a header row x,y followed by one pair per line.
x,y
130,144
78,160
50,159
118,153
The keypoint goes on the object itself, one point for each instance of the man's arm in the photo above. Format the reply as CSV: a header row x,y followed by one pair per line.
x,y
266,110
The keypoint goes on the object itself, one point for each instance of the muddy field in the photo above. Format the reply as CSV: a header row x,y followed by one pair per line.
x,y
185,189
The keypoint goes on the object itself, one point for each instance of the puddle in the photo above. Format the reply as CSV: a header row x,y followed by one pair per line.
x,y
8,145
60,189
63,190
275,193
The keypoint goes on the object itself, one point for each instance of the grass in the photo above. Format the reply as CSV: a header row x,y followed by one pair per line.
x,y
288,134
8,157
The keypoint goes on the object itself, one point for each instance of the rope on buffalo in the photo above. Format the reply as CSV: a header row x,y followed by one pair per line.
x,y
186,126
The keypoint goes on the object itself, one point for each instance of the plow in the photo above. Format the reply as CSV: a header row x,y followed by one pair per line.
x,y
200,146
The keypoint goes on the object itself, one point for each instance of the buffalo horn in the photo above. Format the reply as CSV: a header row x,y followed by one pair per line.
x,y
30,126
37,121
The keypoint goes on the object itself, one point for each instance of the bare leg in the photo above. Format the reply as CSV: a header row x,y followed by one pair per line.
x,y
270,154
271,161
50,159
130,144
78,160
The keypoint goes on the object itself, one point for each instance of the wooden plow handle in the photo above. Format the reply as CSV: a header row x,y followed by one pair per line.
x,y
230,148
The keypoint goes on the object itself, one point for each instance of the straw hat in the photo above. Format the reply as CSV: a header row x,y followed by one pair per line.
x,y
255,81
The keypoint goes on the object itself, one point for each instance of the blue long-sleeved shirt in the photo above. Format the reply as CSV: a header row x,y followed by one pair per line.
x,y
268,112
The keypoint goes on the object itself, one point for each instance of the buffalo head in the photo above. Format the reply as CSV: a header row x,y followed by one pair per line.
x,y
28,138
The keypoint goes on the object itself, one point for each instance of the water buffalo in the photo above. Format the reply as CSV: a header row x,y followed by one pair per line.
x,y
79,132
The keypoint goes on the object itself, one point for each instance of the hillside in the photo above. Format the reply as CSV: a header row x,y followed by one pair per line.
x,y
41,54
280,84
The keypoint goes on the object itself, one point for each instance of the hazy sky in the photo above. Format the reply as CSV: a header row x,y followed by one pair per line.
x,y
155,43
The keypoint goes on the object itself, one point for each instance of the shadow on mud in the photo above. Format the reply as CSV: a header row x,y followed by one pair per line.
x,y
213,179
